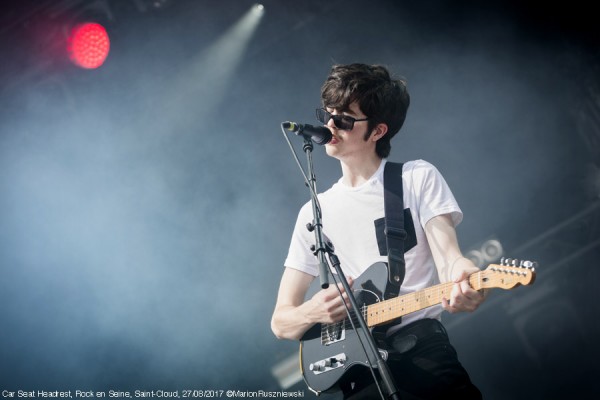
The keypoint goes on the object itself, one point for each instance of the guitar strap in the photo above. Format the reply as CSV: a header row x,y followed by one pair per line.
x,y
394,228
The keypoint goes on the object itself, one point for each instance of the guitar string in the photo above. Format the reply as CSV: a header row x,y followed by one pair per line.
x,y
406,304
419,300
411,302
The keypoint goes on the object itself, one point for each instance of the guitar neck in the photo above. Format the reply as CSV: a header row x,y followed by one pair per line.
x,y
388,310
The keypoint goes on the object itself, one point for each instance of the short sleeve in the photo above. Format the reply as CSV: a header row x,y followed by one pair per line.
x,y
434,196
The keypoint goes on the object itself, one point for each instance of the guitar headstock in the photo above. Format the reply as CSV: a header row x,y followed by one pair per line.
x,y
508,274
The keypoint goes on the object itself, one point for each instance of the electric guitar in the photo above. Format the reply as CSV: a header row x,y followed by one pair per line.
x,y
330,352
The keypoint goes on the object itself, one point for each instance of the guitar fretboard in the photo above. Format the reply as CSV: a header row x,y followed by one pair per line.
x,y
385,311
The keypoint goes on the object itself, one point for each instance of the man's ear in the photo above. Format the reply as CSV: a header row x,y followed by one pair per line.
x,y
379,131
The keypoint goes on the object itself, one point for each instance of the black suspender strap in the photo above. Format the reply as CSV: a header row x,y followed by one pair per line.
x,y
394,222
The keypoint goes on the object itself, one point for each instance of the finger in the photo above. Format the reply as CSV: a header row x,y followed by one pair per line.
x,y
345,299
465,303
333,292
350,282
341,312
464,286
336,301
459,299
446,306
341,298
472,294
462,277
456,293
340,286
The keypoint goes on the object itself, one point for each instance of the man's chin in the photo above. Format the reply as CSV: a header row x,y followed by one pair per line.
x,y
332,150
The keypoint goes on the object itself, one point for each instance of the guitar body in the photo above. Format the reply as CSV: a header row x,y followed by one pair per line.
x,y
330,353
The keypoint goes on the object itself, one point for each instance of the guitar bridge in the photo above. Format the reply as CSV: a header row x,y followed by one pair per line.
x,y
327,364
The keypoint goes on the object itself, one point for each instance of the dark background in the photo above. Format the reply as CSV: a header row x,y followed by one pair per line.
x,y
146,206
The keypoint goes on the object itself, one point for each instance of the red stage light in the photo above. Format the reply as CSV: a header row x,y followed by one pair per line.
x,y
88,45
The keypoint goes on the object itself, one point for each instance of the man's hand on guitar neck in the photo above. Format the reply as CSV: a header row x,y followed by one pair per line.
x,y
463,297
451,265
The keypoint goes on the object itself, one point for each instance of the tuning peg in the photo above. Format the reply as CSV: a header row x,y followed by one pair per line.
x,y
529,264
515,262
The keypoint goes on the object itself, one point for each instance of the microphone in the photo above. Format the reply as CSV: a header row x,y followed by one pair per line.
x,y
318,134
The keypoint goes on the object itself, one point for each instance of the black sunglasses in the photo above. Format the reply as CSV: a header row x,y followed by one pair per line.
x,y
344,122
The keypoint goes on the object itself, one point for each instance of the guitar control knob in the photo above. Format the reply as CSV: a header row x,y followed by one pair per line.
x,y
319,365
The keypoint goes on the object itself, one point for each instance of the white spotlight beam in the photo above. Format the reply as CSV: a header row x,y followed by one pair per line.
x,y
205,80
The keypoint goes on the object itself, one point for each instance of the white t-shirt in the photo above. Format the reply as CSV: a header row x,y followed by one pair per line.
x,y
348,222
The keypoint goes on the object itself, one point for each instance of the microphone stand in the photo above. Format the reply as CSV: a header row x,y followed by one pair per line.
x,y
319,250
317,226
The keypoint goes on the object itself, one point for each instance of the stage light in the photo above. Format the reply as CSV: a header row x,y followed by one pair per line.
x,y
88,45
476,257
492,250
488,252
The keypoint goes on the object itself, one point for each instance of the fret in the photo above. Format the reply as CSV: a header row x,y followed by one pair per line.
x,y
388,310
385,311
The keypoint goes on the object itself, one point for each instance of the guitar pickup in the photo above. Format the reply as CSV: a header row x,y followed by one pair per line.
x,y
332,333
328,364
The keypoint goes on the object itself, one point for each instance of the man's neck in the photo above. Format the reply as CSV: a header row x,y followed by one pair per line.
x,y
357,172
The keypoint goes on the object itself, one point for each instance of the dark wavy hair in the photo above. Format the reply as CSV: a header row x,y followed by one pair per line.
x,y
380,97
